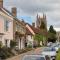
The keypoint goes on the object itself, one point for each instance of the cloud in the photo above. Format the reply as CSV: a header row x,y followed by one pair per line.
x,y
32,7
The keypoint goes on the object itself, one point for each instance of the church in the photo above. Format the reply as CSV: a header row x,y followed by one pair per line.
x,y
39,21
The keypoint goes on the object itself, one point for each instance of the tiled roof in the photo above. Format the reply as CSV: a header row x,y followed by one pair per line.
x,y
4,10
28,32
35,30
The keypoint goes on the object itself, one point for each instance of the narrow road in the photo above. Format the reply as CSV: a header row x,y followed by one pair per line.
x,y
19,57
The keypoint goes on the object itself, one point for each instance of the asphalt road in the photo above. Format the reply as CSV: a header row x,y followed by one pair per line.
x,y
19,57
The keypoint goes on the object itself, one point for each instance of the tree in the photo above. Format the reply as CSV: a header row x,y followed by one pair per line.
x,y
51,30
13,44
51,34
39,38
43,31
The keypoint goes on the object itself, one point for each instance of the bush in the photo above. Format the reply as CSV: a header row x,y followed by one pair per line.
x,y
58,55
5,52
23,50
13,44
0,44
29,46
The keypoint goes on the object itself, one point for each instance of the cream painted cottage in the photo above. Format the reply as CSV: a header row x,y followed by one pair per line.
x,y
31,32
11,28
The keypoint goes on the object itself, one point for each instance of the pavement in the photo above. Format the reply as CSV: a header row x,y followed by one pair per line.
x,y
19,57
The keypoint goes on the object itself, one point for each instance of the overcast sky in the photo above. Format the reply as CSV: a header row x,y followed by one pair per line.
x,y
28,9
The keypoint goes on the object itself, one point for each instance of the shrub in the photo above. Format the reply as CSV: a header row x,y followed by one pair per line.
x,y
58,55
29,46
5,52
23,50
13,44
0,44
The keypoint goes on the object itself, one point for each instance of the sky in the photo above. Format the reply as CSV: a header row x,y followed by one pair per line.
x,y
28,9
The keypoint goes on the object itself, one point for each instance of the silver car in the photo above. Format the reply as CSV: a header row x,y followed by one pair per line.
x,y
35,57
51,52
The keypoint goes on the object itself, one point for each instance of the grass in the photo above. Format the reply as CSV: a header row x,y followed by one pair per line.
x,y
58,55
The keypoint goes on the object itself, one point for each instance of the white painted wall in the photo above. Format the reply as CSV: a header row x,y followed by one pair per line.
x,y
29,39
9,34
22,43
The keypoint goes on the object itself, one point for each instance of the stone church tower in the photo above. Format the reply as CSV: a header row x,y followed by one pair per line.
x,y
1,3
40,20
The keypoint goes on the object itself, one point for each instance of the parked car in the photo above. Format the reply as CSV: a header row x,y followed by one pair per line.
x,y
49,44
35,57
57,46
51,52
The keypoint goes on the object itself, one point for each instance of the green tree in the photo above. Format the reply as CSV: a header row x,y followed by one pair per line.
x,y
13,44
52,34
39,38
51,30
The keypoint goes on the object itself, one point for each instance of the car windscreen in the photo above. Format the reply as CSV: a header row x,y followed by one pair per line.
x,y
49,49
34,58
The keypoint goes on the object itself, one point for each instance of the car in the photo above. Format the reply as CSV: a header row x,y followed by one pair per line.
x,y
56,47
49,44
36,57
51,52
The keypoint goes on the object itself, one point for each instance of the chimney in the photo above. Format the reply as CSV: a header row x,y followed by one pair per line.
x,y
14,11
1,3
33,24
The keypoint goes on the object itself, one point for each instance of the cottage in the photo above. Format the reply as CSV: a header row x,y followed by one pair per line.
x,y
11,28
30,33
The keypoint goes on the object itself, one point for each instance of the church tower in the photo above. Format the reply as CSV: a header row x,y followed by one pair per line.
x,y
44,20
40,20
37,22
1,3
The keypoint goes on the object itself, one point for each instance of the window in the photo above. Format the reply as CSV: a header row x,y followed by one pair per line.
x,y
6,25
17,27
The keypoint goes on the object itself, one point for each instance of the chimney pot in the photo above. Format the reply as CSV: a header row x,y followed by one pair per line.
x,y
33,24
1,3
14,11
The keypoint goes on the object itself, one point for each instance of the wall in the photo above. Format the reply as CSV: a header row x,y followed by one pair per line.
x,y
29,39
7,34
58,36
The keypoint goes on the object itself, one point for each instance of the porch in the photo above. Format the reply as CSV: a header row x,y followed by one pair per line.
x,y
20,40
